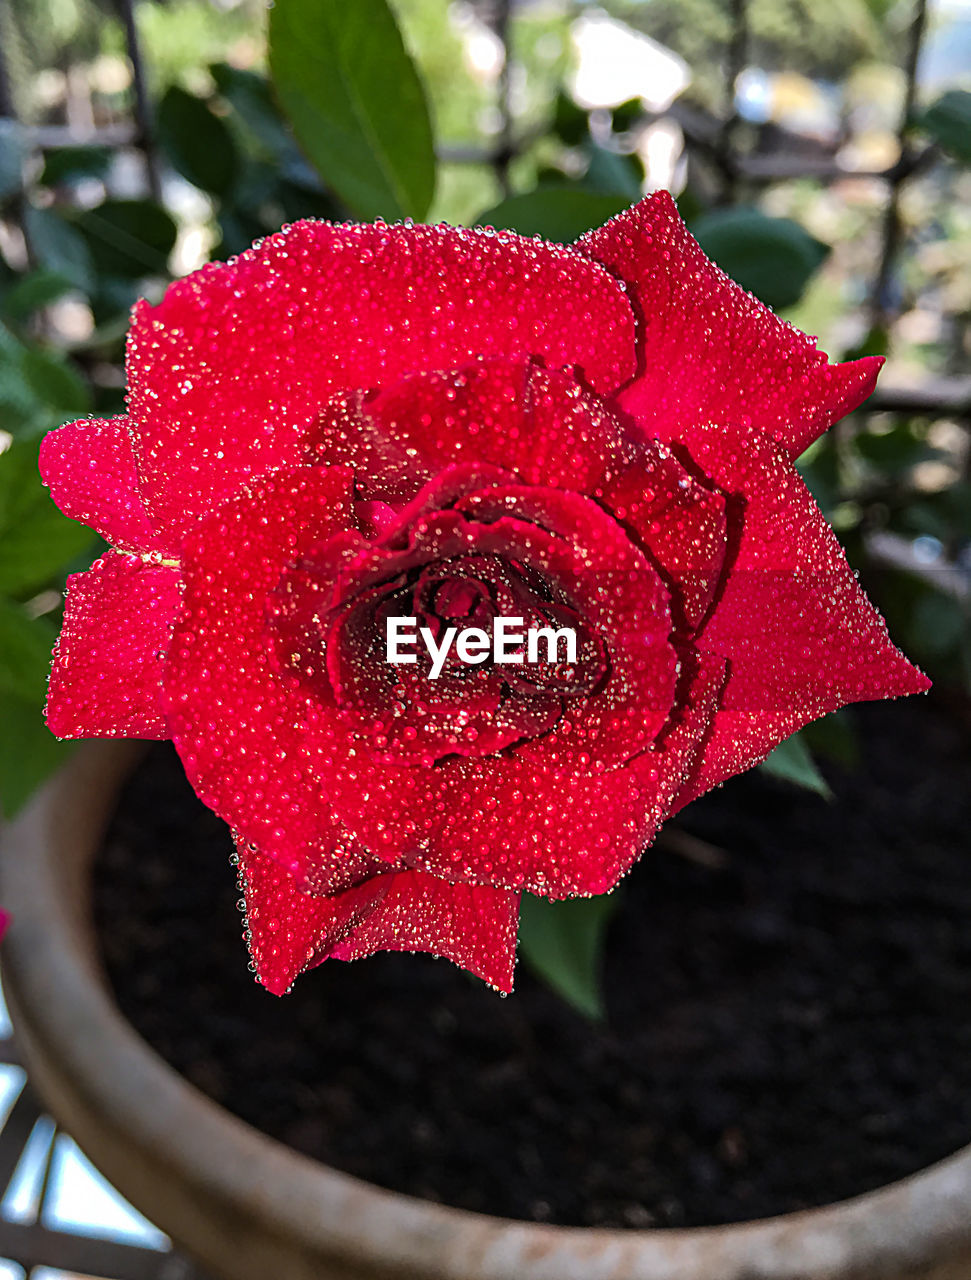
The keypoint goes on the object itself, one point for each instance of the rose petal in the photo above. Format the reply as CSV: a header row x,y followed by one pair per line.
x,y
229,371
800,637
510,822
474,926
90,469
106,679
709,351
245,734
287,931
538,423
681,524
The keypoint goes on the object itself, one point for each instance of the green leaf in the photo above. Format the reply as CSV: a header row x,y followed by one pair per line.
x,y
948,121
38,388
33,291
59,247
773,258
356,103
11,159
570,122
627,115
25,651
895,450
36,541
939,623
197,142
611,173
563,943
55,382
249,96
555,213
129,238
67,164
29,752
792,762
834,738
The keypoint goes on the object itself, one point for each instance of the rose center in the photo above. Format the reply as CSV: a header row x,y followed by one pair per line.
x,y
437,705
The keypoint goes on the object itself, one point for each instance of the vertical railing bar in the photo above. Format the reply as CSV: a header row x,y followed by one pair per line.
x,y
504,150
880,312
144,119
735,55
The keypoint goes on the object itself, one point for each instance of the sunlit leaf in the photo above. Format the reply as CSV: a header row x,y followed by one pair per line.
x,y
356,103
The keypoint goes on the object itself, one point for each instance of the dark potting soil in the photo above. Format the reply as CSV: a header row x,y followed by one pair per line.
x,y
789,1019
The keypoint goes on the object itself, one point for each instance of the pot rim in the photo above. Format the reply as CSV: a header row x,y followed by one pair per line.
x,y
92,1068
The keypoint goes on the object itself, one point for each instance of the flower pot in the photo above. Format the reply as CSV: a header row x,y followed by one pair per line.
x,y
248,1207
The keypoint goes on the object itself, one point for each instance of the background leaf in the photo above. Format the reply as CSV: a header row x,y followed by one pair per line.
x,y
563,943
33,291
774,258
59,247
131,238
25,651
356,103
198,144
36,541
560,214
948,121
29,752
68,164
39,388
792,762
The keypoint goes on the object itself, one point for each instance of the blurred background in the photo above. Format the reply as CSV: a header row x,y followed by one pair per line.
x,y
820,150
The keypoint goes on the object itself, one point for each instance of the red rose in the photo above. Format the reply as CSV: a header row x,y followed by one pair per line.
x,y
349,424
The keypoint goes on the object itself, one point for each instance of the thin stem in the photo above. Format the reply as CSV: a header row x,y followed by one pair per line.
x,y
144,118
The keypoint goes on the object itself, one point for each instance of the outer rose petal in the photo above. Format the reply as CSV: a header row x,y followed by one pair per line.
x,y
106,681
800,636
229,371
709,351
538,423
474,926
90,469
289,931
510,823
246,737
